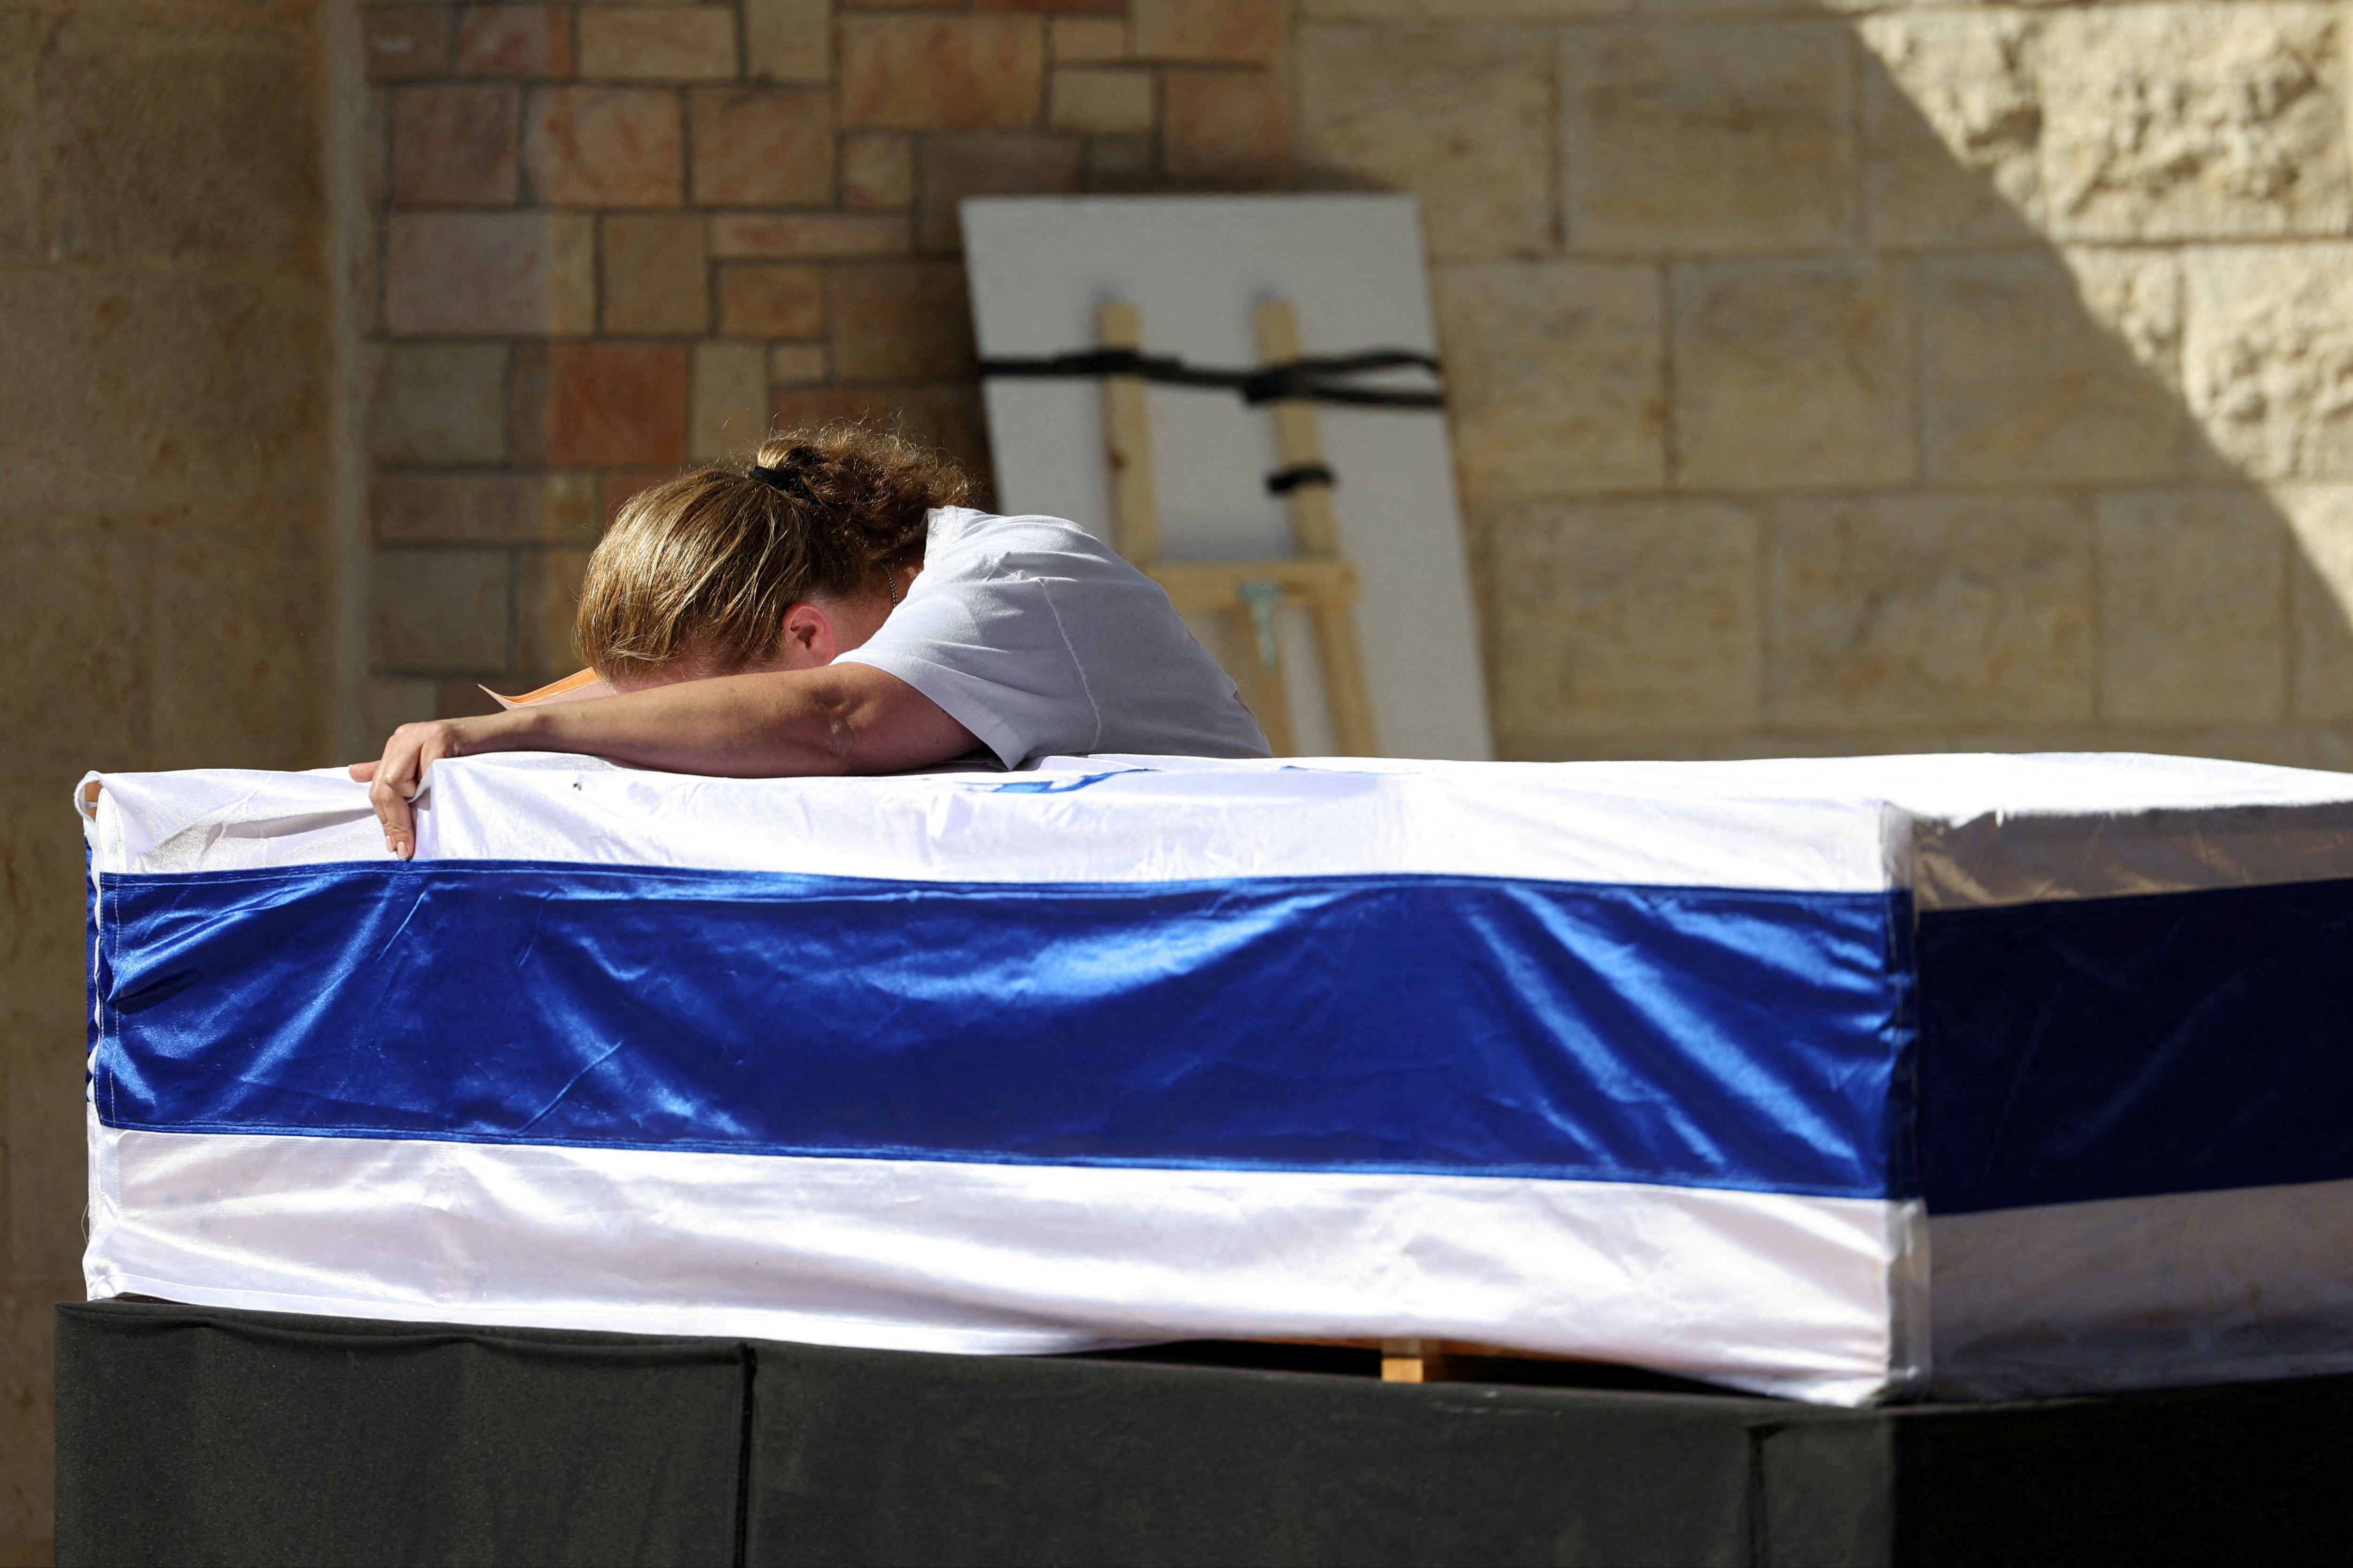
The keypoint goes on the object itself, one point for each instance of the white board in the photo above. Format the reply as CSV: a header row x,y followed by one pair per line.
x,y
1351,267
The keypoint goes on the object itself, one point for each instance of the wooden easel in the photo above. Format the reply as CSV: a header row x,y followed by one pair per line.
x,y
1318,578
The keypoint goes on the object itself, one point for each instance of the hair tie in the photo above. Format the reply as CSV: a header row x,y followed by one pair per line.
x,y
787,481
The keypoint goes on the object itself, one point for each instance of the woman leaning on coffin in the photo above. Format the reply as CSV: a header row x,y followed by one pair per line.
x,y
834,607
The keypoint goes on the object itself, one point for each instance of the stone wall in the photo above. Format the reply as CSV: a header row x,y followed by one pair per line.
x,y
1840,378
166,411
1825,378
616,237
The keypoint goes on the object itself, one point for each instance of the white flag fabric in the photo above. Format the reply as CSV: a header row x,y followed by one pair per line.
x,y
1839,1079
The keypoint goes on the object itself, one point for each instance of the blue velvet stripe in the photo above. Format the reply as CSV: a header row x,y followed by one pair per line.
x,y
2126,1047
1699,1037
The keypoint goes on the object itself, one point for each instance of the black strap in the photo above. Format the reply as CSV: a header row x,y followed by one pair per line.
x,y
1283,481
1319,378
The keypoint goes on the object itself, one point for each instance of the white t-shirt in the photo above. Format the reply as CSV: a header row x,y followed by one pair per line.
x,y
1042,641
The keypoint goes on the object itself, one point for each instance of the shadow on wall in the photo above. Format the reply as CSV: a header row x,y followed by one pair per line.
x,y
1936,380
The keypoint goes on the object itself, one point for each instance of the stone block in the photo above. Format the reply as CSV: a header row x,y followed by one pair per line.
x,y
136,390
1555,377
788,40
942,72
1232,32
462,696
2179,121
438,403
728,407
620,484
1793,373
469,275
2032,368
153,139
1461,116
23,41
1100,103
2268,355
48,1172
27,1445
1087,40
658,43
401,41
2191,584
457,146
1952,126
241,689
761,147
797,364
1625,616
43,889
482,508
1008,163
438,609
1926,609
809,234
901,321
384,705
612,403
375,154
1224,127
1120,163
2320,601
527,406
531,41
1708,135
1461,10
947,416
655,277
807,407
767,299
547,585
878,171
604,147
85,628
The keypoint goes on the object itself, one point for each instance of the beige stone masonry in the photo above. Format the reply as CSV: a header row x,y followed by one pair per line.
x,y
809,234
465,274
1700,135
2192,588
1460,115
658,43
1100,103
788,40
437,403
1793,373
1953,126
2321,519
2021,382
440,609
1556,372
1633,616
483,508
728,411
1926,609
2269,356
655,278
942,72
2188,120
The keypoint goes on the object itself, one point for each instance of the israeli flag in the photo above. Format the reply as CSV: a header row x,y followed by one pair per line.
x,y
1841,1079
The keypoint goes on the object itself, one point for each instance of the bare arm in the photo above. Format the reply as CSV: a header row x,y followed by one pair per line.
x,y
841,718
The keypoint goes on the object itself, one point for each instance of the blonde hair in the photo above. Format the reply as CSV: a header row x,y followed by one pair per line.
x,y
704,566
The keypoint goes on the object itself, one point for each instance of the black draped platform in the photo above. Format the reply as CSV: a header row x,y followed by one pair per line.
x,y
190,1435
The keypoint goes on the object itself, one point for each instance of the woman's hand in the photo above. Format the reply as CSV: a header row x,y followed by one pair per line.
x,y
393,779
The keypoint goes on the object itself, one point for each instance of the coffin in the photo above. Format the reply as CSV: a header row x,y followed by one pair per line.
x,y
1847,1080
